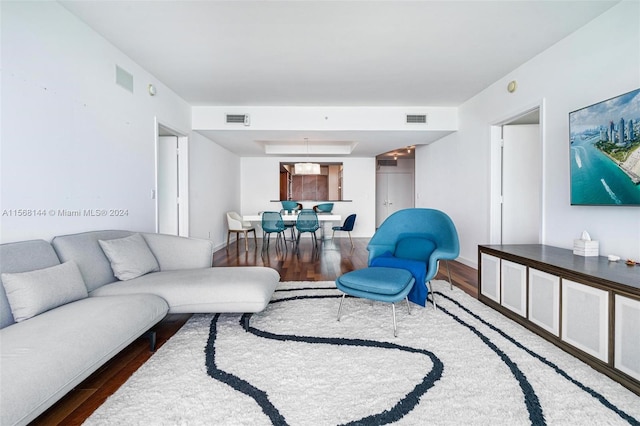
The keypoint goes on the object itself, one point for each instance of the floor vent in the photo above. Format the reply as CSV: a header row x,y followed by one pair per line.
x,y
238,119
416,118
388,163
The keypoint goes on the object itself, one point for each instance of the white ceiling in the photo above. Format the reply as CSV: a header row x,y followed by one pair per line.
x,y
332,53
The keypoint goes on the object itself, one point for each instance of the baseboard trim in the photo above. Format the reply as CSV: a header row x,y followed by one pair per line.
x,y
467,262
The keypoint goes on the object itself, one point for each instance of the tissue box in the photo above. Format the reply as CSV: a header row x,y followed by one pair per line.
x,y
586,248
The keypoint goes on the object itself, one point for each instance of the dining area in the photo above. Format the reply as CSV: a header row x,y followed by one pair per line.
x,y
288,225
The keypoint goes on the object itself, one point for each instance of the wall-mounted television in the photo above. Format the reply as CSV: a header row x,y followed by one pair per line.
x,y
605,152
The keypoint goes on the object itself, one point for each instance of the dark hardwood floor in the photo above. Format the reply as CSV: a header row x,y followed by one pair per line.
x,y
328,262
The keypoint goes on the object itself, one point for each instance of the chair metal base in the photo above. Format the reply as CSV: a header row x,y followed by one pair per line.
x,y
333,235
433,297
280,240
314,239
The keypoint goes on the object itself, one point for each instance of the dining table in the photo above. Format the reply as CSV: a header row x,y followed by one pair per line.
x,y
323,218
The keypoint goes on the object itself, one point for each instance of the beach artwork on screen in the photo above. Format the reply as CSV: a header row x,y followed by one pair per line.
x,y
605,152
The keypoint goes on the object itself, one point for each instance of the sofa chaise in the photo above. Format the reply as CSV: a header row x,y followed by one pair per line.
x,y
68,306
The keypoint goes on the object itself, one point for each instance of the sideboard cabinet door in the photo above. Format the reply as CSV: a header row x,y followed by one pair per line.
x,y
627,336
490,277
544,300
585,318
514,287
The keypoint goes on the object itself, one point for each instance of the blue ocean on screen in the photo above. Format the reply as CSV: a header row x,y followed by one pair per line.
x,y
605,152
596,179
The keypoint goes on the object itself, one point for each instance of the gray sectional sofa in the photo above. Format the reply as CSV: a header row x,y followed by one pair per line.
x,y
68,306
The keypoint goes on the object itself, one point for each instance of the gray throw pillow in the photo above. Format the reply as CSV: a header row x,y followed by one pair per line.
x,y
34,292
130,257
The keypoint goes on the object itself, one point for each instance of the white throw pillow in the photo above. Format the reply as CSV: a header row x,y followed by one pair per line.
x,y
130,257
34,292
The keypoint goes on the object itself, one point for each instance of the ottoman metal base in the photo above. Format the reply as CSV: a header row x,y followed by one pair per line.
x,y
377,283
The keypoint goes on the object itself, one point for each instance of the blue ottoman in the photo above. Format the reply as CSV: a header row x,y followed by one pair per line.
x,y
377,283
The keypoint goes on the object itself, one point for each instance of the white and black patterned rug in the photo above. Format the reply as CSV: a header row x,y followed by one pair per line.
x,y
461,364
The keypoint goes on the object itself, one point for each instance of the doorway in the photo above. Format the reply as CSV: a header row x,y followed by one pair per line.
x,y
516,211
172,174
394,188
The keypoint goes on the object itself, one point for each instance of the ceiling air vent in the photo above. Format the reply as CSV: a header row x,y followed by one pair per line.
x,y
391,163
238,119
416,118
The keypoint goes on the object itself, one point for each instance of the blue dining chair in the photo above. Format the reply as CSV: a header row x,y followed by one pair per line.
x,y
272,223
307,222
347,226
290,207
323,208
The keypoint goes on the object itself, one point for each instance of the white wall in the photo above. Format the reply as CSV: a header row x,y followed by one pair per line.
x,y
597,62
261,184
71,138
214,188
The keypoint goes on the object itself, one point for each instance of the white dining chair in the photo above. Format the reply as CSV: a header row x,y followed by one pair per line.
x,y
238,226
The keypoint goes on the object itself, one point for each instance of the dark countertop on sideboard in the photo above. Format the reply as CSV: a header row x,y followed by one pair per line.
x,y
593,266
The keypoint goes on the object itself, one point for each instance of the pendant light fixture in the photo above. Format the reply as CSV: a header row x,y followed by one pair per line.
x,y
307,168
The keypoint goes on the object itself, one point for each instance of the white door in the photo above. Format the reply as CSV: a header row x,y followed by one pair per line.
x,y
521,184
168,185
394,191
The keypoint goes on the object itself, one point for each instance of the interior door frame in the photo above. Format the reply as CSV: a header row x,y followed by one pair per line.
x,y
495,205
183,175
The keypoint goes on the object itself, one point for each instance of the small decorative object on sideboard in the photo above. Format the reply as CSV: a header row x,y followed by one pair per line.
x,y
585,246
